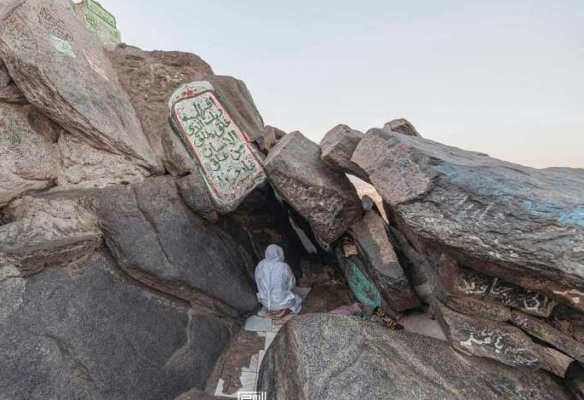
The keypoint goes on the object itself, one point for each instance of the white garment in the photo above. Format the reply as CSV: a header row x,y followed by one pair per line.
x,y
276,281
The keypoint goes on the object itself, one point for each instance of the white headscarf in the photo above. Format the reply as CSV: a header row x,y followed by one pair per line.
x,y
275,282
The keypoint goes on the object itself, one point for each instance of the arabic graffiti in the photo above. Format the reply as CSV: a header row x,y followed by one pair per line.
x,y
229,166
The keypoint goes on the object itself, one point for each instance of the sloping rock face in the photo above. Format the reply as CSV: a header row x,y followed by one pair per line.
x,y
516,223
63,71
324,197
90,333
332,357
337,148
45,232
490,239
382,263
29,158
150,231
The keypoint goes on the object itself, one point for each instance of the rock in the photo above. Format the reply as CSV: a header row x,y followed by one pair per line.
x,y
91,333
86,167
402,126
539,329
491,339
477,308
12,94
48,232
516,223
382,263
195,194
324,197
63,71
150,78
28,158
237,99
332,357
226,159
337,148
154,237
465,282
271,136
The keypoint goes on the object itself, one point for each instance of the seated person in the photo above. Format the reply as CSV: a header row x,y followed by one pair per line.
x,y
276,282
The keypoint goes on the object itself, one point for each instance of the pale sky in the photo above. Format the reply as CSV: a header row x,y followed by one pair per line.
x,y
501,77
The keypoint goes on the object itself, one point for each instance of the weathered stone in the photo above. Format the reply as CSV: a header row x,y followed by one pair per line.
x,y
154,236
62,70
226,158
485,338
330,357
337,148
90,333
88,167
235,96
324,197
382,263
466,282
48,232
99,21
520,224
195,194
29,160
271,136
478,308
539,329
12,94
402,126
150,78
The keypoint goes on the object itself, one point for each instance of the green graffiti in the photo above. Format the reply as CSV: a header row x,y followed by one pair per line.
x,y
99,21
363,289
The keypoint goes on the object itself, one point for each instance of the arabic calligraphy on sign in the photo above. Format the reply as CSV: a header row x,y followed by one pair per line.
x,y
230,168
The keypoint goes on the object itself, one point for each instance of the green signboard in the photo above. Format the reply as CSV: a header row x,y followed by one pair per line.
x,y
100,21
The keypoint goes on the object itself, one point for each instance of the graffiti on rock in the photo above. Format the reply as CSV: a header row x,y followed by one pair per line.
x,y
214,140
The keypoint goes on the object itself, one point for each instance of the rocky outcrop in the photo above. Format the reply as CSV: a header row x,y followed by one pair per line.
x,y
337,148
90,333
28,157
62,70
154,237
324,197
382,263
519,224
332,357
491,239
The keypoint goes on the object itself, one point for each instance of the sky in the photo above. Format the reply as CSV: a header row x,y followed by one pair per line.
x,y
502,77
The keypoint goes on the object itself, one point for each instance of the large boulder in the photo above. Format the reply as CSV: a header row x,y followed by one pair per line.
x,y
333,357
155,237
324,197
382,264
29,159
91,333
520,224
63,71
151,77
46,232
337,148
